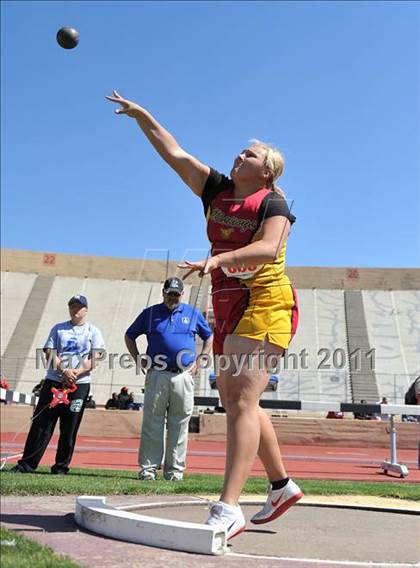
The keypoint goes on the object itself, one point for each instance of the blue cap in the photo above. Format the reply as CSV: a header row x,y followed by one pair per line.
x,y
78,299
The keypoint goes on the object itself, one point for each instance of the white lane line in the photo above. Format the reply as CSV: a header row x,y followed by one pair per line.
x,y
103,441
96,449
326,562
348,453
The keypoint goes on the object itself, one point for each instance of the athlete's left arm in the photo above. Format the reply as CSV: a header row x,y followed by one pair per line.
x,y
274,232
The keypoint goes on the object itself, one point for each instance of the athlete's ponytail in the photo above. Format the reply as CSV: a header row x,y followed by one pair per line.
x,y
274,162
278,190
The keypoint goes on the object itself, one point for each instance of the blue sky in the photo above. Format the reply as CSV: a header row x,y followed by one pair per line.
x,y
333,84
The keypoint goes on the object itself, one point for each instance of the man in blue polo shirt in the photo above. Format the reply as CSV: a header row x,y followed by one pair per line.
x,y
170,328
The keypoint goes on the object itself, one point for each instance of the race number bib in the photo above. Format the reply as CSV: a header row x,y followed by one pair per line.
x,y
243,272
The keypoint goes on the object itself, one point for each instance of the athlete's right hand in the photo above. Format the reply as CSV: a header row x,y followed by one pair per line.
x,y
127,107
203,267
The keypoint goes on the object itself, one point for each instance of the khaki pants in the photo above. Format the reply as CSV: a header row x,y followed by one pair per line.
x,y
167,396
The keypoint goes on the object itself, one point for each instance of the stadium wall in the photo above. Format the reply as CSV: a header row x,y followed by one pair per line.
x,y
35,287
290,430
60,264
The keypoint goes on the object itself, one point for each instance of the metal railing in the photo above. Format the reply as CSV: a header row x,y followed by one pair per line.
x,y
309,384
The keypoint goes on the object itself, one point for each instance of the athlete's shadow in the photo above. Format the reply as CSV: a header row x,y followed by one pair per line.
x,y
260,531
40,523
249,532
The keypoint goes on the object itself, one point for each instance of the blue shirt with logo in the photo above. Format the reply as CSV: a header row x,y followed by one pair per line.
x,y
170,331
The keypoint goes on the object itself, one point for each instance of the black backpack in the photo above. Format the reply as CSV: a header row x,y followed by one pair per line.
x,y
410,395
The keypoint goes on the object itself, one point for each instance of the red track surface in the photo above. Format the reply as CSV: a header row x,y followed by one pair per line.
x,y
206,456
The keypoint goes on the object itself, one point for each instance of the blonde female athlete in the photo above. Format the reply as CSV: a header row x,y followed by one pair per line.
x,y
254,303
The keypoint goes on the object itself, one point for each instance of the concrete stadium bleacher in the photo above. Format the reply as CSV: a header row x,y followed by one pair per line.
x,y
407,304
15,289
395,338
117,294
295,380
385,337
332,336
321,332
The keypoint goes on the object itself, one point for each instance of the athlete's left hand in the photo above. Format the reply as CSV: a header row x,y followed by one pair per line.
x,y
203,267
193,369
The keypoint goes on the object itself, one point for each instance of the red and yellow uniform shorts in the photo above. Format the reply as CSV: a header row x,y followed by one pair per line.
x,y
258,312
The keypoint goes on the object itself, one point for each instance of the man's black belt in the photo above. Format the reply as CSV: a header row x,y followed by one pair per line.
x,y
170,369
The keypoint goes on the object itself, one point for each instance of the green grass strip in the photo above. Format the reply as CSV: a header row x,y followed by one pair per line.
x,y
120,482
20,552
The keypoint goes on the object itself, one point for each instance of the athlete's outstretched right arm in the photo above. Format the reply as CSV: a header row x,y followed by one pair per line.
x,y
193,172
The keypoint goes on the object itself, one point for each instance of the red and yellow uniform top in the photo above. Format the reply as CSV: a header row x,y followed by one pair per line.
x,y
257,301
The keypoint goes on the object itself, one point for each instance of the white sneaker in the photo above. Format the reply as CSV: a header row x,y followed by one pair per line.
x,y
147,475
277,503
228,517
173,477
